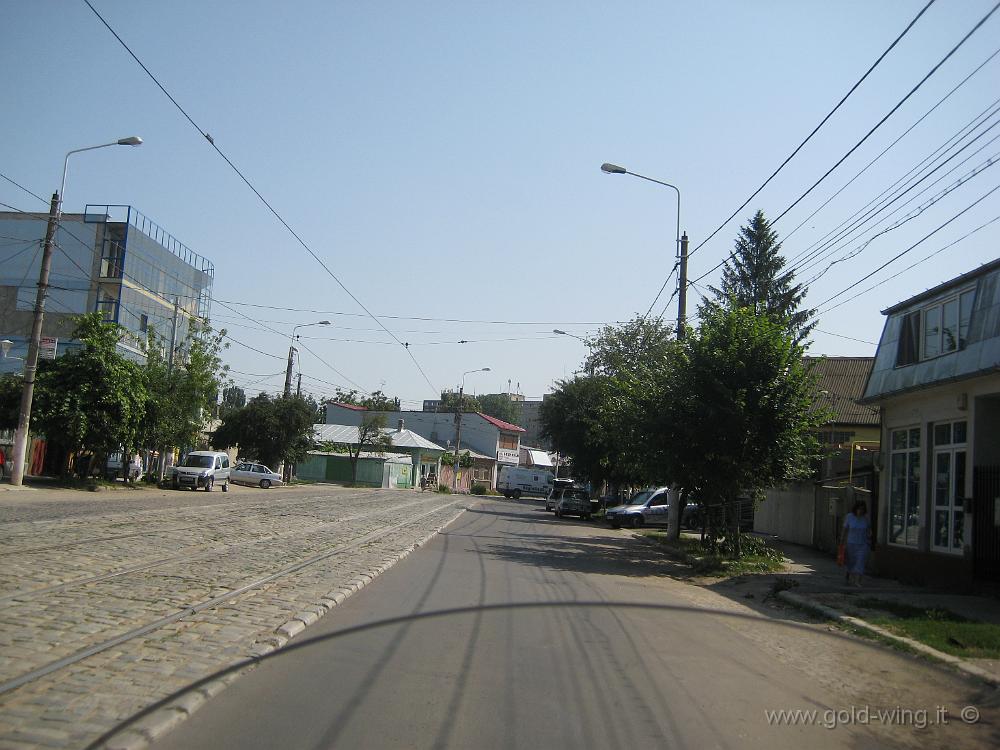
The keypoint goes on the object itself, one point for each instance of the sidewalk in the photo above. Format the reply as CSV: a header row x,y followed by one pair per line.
x,y
815,581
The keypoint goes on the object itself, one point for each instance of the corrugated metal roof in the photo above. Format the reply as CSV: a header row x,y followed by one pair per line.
x,y
978,354
844,378
348,434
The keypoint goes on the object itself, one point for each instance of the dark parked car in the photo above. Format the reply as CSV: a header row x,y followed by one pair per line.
x,y
574,502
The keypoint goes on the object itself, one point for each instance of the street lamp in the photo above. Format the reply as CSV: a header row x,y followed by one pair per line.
x,y
292,350
681,243
458,428
578,338
31,363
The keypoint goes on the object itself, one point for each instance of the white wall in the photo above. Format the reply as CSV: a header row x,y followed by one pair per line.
x,y
787,513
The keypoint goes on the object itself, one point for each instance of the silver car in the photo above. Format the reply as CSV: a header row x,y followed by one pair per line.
x,y
647,508
255,475
202,470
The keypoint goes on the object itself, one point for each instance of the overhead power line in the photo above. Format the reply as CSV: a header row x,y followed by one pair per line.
x,y
892,111
816,129
249,184
911,247
854,148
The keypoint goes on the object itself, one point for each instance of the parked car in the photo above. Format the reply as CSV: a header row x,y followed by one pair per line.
x,y
255,475
115,469
514,481
691,515
645,508
202,469
555,494
573,502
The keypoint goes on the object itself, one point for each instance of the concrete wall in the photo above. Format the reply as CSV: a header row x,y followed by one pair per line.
x,y
787,513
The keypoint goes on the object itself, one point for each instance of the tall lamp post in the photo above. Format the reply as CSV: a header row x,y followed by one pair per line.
x,y
578,338
31,362
682,244
292,350
458,427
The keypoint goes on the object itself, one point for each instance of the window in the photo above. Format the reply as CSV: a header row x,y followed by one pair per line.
x,y
225,462
904,487
949,486
946,324
909,340
508,442
662,499
143,323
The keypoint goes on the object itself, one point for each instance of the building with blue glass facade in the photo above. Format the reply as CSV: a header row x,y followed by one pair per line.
x,y
111,259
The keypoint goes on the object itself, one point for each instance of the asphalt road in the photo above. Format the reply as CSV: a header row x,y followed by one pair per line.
x,y
684,666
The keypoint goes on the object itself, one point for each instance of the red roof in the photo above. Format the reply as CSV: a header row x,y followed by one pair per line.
x,y
500,423
352,407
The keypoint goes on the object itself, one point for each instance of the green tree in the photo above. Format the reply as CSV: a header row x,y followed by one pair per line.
x,y
370,438
92,399
269,429
233,397
500,406
182,399
737,415
374,401
450,402
756,278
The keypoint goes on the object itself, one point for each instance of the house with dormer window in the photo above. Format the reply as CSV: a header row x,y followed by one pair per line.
x,y
936,382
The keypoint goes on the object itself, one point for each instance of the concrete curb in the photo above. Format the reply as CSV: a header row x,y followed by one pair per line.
x,y
856,622
150,728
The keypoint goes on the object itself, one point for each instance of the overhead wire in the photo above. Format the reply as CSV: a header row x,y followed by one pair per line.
x,y
817,128
870,132
911,247
260,196
912,265
884,151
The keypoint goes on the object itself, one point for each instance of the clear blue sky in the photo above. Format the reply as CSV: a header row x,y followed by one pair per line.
x,y
443,158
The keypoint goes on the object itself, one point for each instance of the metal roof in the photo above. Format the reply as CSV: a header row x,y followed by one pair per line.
x,y
500,423
348,434
977,355
843,379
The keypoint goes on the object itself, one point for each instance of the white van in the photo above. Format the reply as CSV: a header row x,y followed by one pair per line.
x,y
202,470
515,481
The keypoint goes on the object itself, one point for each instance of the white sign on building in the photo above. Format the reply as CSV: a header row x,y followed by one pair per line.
x,y
508,456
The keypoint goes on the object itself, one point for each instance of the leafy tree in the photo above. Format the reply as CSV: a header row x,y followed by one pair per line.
x,y
500,406
370,438
92,399
183,399
450,402
268,429
738,413
756,278
374,401
631,350
573,419
233,397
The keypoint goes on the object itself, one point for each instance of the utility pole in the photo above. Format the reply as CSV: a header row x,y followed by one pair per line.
x,y
682,291
288,371
170,372
458,438
31,364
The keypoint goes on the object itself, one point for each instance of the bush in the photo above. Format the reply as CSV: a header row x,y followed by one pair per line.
x,y
444,489
479,489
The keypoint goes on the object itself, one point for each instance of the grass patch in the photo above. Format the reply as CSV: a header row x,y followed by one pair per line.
x,y
939,628
757,557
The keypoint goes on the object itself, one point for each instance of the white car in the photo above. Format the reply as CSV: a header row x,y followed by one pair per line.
x,y
256,475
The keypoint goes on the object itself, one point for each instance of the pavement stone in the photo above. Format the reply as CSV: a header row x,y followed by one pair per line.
x,y
209,551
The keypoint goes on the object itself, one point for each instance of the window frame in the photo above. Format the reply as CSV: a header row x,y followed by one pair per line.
x,y
909,500
956,494
939,308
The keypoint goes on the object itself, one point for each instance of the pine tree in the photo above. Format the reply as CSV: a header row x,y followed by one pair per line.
x,y
755,278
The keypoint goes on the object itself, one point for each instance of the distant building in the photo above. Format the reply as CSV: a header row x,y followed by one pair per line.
x,y
496,441
109,259
531,420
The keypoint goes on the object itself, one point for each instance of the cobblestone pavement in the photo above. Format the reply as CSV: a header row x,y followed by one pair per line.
x,y
71,585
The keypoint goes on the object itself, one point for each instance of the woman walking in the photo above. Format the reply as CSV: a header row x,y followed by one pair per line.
x,y
857,536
